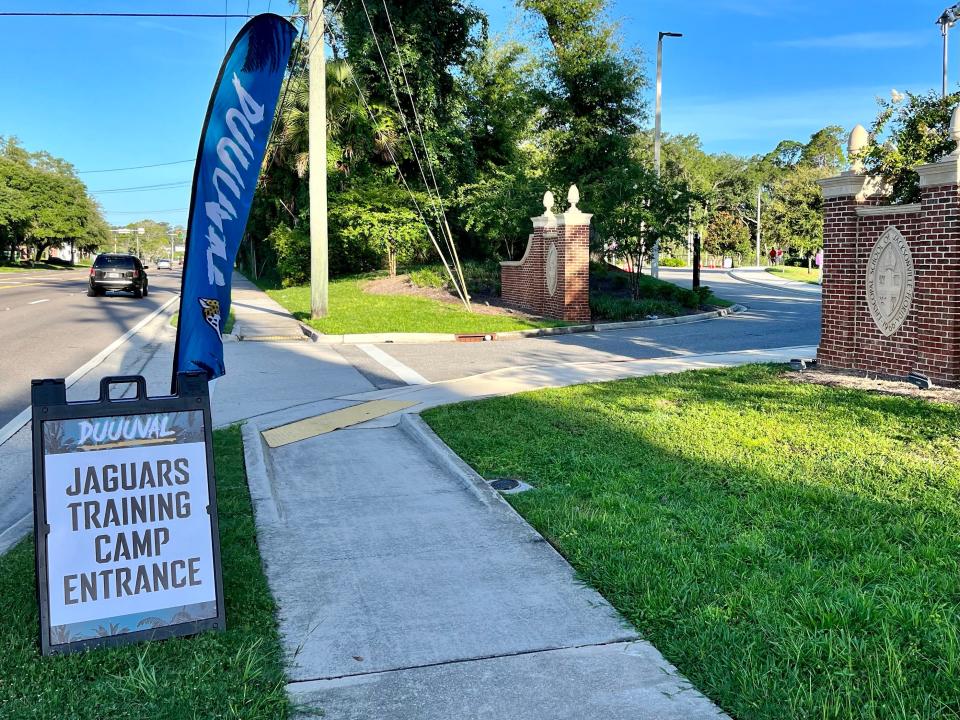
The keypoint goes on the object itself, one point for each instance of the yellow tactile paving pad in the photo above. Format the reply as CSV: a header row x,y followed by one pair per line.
x,y
328,422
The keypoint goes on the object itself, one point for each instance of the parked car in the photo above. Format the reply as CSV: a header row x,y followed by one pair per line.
x,y
164,264
114,271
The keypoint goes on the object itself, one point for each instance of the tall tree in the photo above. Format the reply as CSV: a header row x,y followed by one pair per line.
x,y
906,133
592,96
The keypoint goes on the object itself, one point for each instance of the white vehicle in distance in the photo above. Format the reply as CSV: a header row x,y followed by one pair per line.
x,y
164,264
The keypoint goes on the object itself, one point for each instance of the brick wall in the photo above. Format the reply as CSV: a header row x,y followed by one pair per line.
x,y
524,283
928,341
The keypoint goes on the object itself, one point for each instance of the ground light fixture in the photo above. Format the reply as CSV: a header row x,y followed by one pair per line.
x,y
946,21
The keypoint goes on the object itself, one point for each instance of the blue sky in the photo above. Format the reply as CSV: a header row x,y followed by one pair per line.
x,y
107,93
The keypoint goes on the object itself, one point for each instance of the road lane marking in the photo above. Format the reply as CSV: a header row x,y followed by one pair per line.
x,y
13,427
405,373
14,287
37,302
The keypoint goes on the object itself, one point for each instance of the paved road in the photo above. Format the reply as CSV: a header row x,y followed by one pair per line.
x,y
49,327
775,318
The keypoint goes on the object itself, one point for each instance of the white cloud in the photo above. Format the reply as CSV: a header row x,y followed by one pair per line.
x,y
861,41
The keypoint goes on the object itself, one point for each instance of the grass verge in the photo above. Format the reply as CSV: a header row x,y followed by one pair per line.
x,y
233,674
792,548
24,267
354,311
797,274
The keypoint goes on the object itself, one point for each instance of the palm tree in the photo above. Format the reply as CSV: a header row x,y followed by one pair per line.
x,y
349,122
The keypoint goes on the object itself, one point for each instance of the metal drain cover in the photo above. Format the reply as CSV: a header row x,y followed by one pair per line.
x,y
504,484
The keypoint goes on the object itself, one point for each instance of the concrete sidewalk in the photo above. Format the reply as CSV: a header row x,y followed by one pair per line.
x,y
258,316
408,588
760,276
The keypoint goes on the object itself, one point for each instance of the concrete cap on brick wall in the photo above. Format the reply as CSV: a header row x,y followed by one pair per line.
x,y
944,172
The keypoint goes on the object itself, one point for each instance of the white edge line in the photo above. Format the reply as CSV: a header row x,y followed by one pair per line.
x,y
37,302
405,373
13,427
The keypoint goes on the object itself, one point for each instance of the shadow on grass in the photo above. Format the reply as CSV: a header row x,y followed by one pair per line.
x,y
793,549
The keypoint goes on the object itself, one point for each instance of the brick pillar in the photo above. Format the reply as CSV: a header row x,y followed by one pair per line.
x,y
936,257
842,284
891,281
553,276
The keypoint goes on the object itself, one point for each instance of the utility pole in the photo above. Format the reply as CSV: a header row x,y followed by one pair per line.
x,y
759,190
655,261
317,141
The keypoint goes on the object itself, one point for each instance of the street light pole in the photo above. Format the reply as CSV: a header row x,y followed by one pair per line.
x,y
946,21
317,141
655,261
759,190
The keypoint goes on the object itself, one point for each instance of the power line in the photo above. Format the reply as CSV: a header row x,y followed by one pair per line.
x,y
138,188
143,212
135,167
124,15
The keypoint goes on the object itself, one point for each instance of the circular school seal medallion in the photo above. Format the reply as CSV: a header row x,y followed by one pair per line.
x,y
552,269
890,281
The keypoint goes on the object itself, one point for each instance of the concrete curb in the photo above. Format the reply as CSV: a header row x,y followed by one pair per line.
x,y
422,338
416,428
789,286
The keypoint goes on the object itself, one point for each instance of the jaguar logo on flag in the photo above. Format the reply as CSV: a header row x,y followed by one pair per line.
x,y
890,281
211,312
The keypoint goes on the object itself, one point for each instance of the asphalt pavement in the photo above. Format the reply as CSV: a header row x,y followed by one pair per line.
x,y
50,328
775,317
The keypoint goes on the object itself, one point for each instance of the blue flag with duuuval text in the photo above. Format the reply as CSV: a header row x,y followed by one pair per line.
x,y
232,146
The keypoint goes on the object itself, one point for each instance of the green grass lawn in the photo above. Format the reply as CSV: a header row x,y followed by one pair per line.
x,y
793,549
797,274
354,311
233,674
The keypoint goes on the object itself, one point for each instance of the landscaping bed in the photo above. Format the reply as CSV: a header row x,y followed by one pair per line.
x,y
231,674
422,301
793,548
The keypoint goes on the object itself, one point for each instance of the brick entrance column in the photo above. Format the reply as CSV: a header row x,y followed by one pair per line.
x,y
891,277
553,276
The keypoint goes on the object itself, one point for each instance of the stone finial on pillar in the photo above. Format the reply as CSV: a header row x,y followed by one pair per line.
x,y
573,197
955,130
548,203
858,140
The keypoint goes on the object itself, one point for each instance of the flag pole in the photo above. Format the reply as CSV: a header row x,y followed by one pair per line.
x,y
317,141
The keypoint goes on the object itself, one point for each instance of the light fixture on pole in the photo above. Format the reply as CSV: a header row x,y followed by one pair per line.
x,y
655,261
946,21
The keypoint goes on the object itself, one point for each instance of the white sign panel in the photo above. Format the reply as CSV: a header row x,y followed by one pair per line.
x,y
129,546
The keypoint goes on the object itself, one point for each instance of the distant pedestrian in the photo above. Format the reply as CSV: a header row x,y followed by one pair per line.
x,y
819,258
773,256
779,256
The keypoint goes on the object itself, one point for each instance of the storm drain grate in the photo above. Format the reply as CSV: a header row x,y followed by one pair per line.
x,y
508,486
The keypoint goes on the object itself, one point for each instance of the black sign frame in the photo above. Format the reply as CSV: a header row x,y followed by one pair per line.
x,y
49,402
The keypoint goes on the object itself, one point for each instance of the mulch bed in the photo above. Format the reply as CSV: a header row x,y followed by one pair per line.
x,y
482,303
862,381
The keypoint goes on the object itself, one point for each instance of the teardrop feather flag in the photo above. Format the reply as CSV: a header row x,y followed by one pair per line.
x,y
232,146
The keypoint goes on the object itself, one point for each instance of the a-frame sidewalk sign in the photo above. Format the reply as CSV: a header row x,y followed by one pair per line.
x,y
125,515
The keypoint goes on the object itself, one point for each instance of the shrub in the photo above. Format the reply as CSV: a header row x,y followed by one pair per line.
x,y
292,246
429,277
607,307
374,228
672,262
